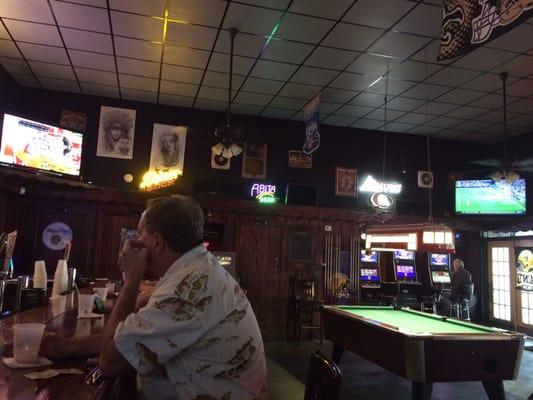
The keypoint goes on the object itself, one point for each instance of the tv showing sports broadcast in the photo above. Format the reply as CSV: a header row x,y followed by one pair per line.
x,y
369,256
31,144
486,196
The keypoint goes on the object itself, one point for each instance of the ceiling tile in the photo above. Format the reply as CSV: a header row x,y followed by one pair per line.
x,y
33,32
435,108
154,8
140,49
488,100
517,39
328,108
424,130
178,88
245,45
332,9
181,74
397,127
139,95
95,89
88,41
220,80
207,104
336,95
423,20
313,76
404,104
299,91
255,99
273,70
365,123
246,109
460,96
425,90
400,45
353,111
395,87
483,59
368,99
290,52
8,49
379,113
136,26
204,12
251,19
519,66
26,80
3,32
186,57
377,13
191,36
275,4
413,70
61,85
352,37
100,77
287,103
92,60
521,88
272,112
28,10
444,122
220,62
136,82
372,64
430,53
81,17
52,70
472,126
524,106
486,83
15,66
37,52
303,29
331,58
95,3
259,85
338,120
524,120
179,101
452,76
351,81
467,112
138,67
211,93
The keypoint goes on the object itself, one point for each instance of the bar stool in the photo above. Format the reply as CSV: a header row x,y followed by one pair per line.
x,y
307,307
389,294
460,308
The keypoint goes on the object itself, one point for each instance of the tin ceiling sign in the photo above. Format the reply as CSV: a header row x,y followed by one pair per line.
x,y
57,235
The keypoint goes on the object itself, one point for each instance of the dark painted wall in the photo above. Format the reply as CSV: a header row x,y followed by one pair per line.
x,y
340,147
9,90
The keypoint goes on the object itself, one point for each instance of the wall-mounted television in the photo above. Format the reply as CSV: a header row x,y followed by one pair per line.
x,y
404,255
486,196
369,256
30,144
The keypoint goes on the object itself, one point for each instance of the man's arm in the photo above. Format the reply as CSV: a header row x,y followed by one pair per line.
x,y
57,346
112,362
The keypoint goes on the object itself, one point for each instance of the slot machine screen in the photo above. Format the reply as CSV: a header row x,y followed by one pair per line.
x,y
439,259
404,255
369,275
405,272
369,257
440,277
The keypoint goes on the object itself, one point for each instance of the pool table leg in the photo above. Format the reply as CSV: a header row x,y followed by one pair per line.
x,y
421,391
494,390
337,353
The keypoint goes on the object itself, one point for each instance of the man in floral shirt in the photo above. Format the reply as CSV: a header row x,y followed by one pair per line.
x,y
197,338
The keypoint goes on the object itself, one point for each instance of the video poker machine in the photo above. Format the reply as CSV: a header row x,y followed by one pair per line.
x,y
369,276
439,269
405,274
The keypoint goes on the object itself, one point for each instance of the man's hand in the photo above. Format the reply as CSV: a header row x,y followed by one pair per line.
x,y
54,346
134,260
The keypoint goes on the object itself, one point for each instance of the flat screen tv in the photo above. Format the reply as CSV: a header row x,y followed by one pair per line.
x,y
404,255
369,256
439,259
30,144
486,196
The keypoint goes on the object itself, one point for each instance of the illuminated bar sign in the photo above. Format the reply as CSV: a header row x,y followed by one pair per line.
x,y
264,193
370,185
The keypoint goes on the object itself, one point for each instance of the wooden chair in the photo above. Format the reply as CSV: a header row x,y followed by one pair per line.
x,y
323,378
307,308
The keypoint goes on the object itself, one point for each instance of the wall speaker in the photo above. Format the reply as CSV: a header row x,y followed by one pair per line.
x,y
425,179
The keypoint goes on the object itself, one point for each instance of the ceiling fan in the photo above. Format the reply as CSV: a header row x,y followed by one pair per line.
x,y
503,168
230,138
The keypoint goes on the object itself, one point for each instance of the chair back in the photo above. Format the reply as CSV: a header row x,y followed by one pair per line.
x,y
467,291
323,378
304,290
390,288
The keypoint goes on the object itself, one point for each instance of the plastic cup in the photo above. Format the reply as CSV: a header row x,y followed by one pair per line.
x,y
59,305
39,275
27,342
101,292
85,304
110,287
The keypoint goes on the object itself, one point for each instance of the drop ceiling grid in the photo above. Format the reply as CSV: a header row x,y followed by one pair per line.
x,y
283,77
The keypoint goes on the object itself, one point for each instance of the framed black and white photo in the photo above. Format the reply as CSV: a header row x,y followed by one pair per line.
x,y
168,147
254,161
116,133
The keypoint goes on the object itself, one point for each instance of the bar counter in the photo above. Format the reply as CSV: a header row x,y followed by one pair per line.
x,y
60,319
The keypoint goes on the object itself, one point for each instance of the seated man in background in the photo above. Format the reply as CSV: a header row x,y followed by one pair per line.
x,y
460,276
197,337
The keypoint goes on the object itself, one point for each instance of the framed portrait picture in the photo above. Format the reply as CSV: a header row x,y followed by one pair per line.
x,y
298,159
345,182
168,147
254,161
116,133
73,120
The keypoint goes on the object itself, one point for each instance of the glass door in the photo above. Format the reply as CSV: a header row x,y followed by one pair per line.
x,y
501,281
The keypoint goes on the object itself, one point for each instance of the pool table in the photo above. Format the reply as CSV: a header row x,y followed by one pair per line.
x,y
425,348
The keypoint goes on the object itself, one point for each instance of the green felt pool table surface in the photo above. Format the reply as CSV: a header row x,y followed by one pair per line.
x,y
416,322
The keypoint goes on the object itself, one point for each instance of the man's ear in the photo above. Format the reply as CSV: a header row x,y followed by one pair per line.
x,y
160,242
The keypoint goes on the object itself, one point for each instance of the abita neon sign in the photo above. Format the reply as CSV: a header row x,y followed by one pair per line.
x,y
265,194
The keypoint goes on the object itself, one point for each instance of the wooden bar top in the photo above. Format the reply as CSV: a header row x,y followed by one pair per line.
x,y
60,316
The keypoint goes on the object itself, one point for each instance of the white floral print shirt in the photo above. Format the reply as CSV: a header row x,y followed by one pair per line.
x,y
197,338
